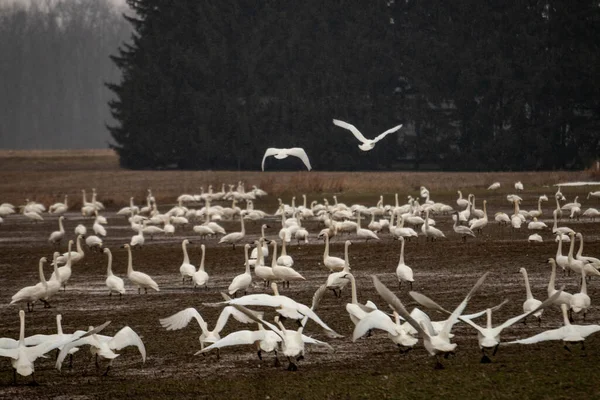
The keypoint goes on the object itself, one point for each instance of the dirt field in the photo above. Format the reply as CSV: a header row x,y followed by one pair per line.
x,y
370,368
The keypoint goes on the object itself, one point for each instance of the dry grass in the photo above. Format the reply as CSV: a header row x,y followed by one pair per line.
x,y
28,174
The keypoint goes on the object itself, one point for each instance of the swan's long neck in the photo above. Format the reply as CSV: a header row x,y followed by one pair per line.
x,y
79,249
489,318
427,220
283,249
84,197
186,257
22,328
243,228
282,216
552,277
201,267
326,254
402,251
109,267
274,259
555,227
527,287
540,205
571,248
392,220
353,283
304,201
346,257
60,225
262,231
246,259
557,204
129,261
358,221
396,198
66,201
59,325
580,251
559,249
56,272
42,277
459,195
372,218
485,210
583,282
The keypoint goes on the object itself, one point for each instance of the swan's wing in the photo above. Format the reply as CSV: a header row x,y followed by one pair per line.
x,y
127,337
307,312
351,128
258,320
317,296
480,313
473,324
78,339
587,330
516,319
301,154
271,151
396,304
310,340
182,319
458,311
554,334
231,311
9,343
427,302
384,134
11,353
260,299
374,320
34,340
236,339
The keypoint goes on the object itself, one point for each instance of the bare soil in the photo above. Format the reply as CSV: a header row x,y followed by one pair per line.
x,y
372,367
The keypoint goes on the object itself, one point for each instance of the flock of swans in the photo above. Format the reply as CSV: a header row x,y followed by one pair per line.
x,y
254,292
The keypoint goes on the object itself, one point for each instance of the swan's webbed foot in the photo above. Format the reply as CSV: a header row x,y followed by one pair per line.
x,y
276,363
496,349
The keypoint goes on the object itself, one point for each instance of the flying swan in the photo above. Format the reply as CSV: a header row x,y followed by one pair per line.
x,y
280,154
367,144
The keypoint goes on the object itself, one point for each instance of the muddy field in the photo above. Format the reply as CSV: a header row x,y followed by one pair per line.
x,y
370,368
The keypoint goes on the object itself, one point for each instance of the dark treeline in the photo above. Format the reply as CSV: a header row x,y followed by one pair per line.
x,y
54,61
478,84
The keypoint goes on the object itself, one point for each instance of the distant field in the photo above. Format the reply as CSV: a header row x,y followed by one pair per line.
x,y
46,175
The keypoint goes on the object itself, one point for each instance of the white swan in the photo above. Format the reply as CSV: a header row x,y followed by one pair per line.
x,y
494,186
479,224
57,236
265,246
284,259
200,277
592,213
564,298
430,231
355,310
80,230
186,269
292,342
59,208
52,286
31,294
563,229
519,186
260,269
462,202
404,273
243,281
536,225
363,233
336,281
23,357
113,282
593,260
181,319
488,337
569,334
284,273
580,302
535,238
280,154
530,302
334,264
462,230
104,347
138,240
93,242
139,279
76,256
63,274
436,345
285,306
577,265
377,319
234,237
366,144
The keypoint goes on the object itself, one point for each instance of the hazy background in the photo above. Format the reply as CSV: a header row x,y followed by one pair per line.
x,y
54,61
